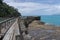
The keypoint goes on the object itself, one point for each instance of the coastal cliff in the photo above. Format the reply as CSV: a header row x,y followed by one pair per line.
x,y
30,19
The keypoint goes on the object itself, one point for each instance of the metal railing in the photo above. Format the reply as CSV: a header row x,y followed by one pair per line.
x,y
5,25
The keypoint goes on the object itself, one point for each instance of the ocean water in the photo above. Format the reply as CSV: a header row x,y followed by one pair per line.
x,y
51,19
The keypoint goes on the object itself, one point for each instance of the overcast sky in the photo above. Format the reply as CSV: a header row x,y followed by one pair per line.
x,y
36,7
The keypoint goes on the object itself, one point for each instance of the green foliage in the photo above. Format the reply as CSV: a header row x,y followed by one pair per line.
x,y
1,1
8,11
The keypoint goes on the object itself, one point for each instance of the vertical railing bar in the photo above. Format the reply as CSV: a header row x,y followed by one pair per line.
x,y
0,28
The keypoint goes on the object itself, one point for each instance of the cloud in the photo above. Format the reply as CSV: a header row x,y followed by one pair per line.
x,y
37,1
32,8
8,1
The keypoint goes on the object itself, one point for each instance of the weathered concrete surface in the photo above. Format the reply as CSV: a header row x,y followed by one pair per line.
x,y
12,32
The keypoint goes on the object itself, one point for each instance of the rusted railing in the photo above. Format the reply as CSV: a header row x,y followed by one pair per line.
x,y
5,25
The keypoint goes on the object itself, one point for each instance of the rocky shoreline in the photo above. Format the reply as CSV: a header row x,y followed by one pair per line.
x,y
44,32
38,24
39,30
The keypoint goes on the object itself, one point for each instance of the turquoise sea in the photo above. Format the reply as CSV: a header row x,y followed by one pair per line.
x,y
51,19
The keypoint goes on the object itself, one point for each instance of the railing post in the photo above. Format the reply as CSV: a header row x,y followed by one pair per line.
x,y
21,36
0,28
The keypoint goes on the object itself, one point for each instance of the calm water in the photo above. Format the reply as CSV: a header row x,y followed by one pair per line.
x,y
55,20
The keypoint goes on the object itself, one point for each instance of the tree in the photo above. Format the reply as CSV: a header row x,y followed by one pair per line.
x,y
8,11
1,1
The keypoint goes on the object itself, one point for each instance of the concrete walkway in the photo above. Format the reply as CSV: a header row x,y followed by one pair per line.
x,y
12,32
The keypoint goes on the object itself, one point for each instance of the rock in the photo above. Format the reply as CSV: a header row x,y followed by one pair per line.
x,y
27,37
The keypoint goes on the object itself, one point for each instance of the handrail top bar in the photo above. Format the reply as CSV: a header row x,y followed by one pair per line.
x,y
6,20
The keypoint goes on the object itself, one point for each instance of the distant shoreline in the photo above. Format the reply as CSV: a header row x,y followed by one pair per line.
x,y
51,24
